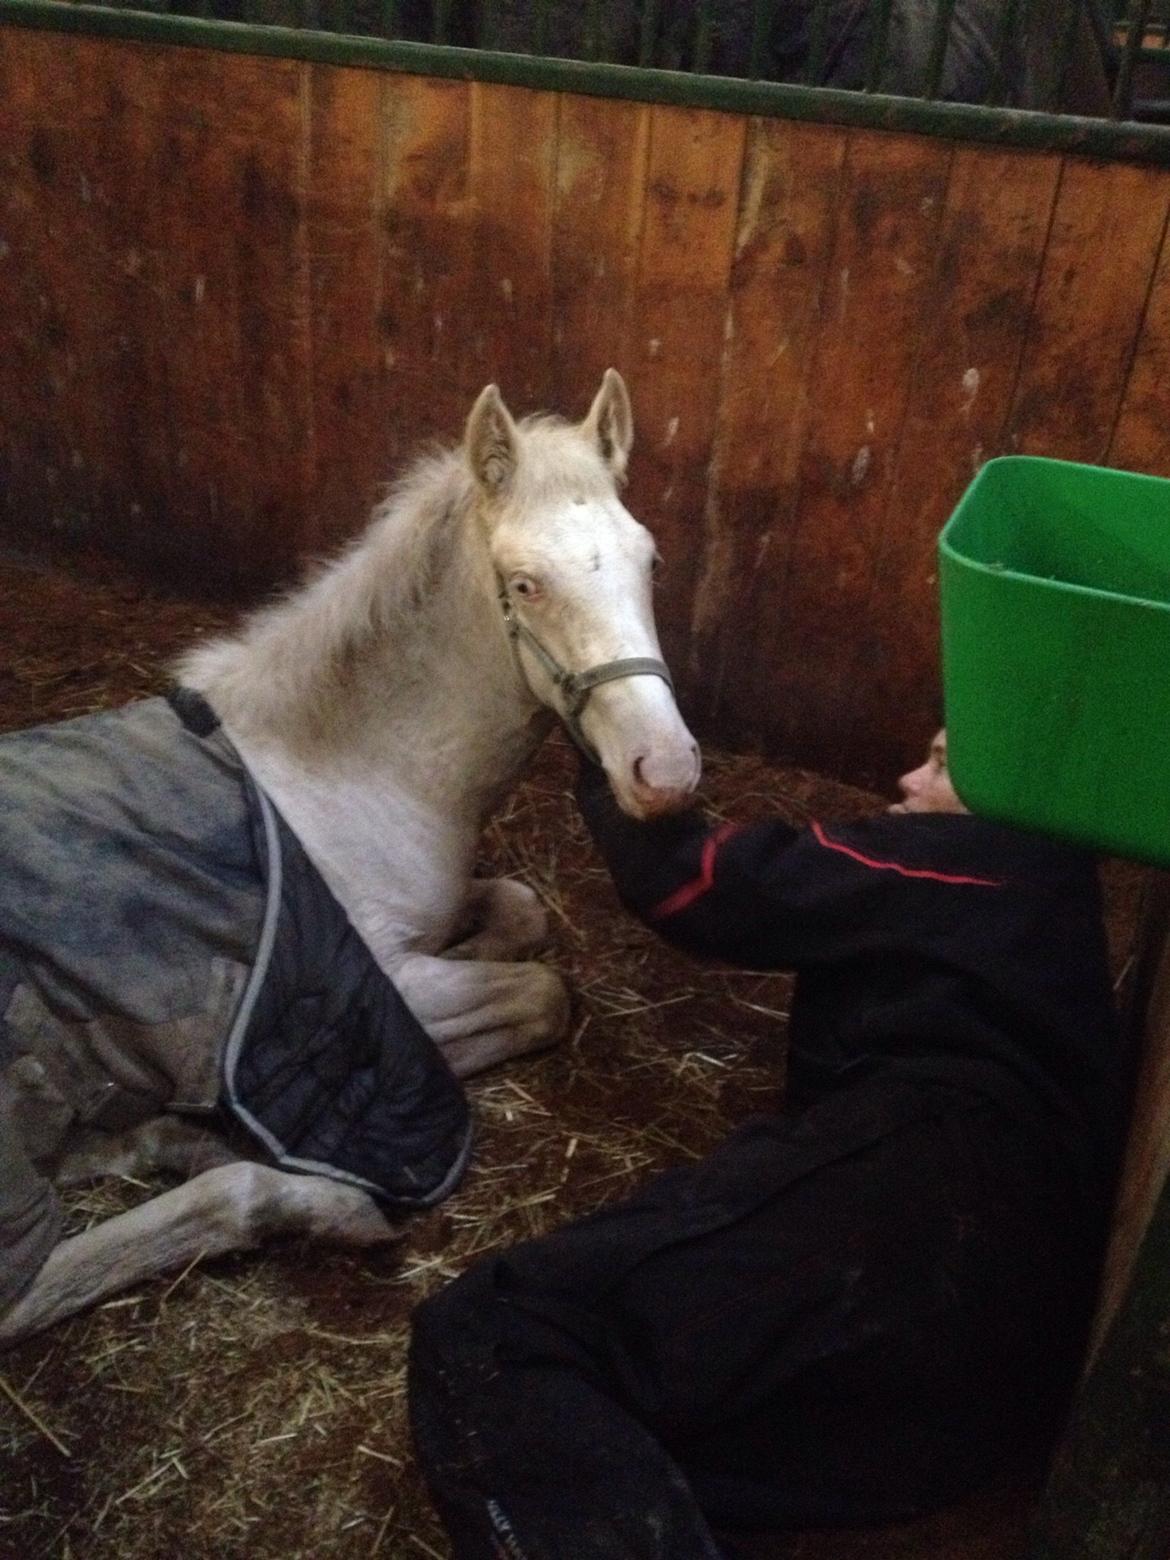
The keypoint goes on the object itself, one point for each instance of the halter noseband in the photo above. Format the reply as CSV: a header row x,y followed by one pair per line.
x,y
575,687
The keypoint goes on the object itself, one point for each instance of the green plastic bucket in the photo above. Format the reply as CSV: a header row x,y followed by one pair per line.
x,y
1055,595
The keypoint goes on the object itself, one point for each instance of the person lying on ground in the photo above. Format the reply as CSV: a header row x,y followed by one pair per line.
x,y
860,1307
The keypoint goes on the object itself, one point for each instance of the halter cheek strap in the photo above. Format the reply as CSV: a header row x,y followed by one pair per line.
x,y
575,687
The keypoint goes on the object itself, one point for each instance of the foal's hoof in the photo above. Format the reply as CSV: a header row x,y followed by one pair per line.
x,y
342,1215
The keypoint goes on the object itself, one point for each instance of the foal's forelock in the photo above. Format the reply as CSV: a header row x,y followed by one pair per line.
x,y
419,527
558,462
297,664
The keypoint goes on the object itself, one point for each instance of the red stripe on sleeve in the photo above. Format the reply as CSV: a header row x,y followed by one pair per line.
x,y
896,866
698,886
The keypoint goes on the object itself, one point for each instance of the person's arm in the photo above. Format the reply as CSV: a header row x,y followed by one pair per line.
x,y
709,888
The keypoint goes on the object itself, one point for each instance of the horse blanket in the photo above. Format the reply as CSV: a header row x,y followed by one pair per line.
x,y
167,945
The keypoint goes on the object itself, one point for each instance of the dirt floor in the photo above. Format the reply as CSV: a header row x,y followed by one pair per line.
x,y
253,1406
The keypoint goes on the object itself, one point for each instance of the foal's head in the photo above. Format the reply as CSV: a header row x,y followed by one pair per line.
x,y
574,569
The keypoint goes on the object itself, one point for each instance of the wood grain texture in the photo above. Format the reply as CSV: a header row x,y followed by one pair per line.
x,y
693,169
113,252
210,420
507,331
602,151
47,401
971,339
221,159
873,326
241,293
1141,437
426,258
1083,332
267,204
783,248
351,414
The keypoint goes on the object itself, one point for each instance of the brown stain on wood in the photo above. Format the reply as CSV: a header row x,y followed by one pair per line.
x,y
871,330
512,173
241,292
45,427
1141,438
427,261
1106,231
209,418
783,248
350,372
693,169
602,150
994,227
229,249
111,276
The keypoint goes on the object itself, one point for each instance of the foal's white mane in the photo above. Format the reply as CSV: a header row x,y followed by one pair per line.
x,y
296,665
301,665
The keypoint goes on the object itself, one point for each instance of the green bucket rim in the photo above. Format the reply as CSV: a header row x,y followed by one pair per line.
x,y
948,550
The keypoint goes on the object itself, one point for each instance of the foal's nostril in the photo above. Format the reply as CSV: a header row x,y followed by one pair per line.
x,y
639,778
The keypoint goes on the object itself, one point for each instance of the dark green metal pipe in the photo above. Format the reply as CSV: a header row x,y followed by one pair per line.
x,y
1004,35
649,35
489,21
818,43
761,17
939,40
820,105
881,10
1068,44
702,49
1139,12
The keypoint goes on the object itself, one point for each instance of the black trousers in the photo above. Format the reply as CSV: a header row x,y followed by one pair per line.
x,y
846,1316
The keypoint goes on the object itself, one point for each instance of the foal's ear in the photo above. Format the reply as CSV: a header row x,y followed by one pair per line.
x,y
491,442
610,423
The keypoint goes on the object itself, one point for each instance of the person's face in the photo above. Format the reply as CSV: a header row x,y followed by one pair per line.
x,y
928,788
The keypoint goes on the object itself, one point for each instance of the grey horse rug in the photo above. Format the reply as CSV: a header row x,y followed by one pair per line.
x,y
167,945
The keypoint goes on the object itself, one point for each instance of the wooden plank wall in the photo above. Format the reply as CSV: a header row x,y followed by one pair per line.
x,y
236,293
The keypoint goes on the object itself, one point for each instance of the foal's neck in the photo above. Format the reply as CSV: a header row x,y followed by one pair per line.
x,y
393,663
380,705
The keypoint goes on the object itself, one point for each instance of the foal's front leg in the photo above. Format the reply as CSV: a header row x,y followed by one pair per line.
x,y
230,1208
484,1011
504,919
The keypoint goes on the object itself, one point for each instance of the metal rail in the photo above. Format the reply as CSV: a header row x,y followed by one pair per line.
x,y
1116,138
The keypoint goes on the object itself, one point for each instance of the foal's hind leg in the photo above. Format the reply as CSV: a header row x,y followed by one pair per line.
x,y
504,919
162,1143
483,1012
229,1208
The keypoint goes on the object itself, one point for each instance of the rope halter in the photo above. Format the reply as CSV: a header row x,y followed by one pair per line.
x,y
574,687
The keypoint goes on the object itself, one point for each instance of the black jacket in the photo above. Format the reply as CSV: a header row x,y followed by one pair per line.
x,y
942,946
